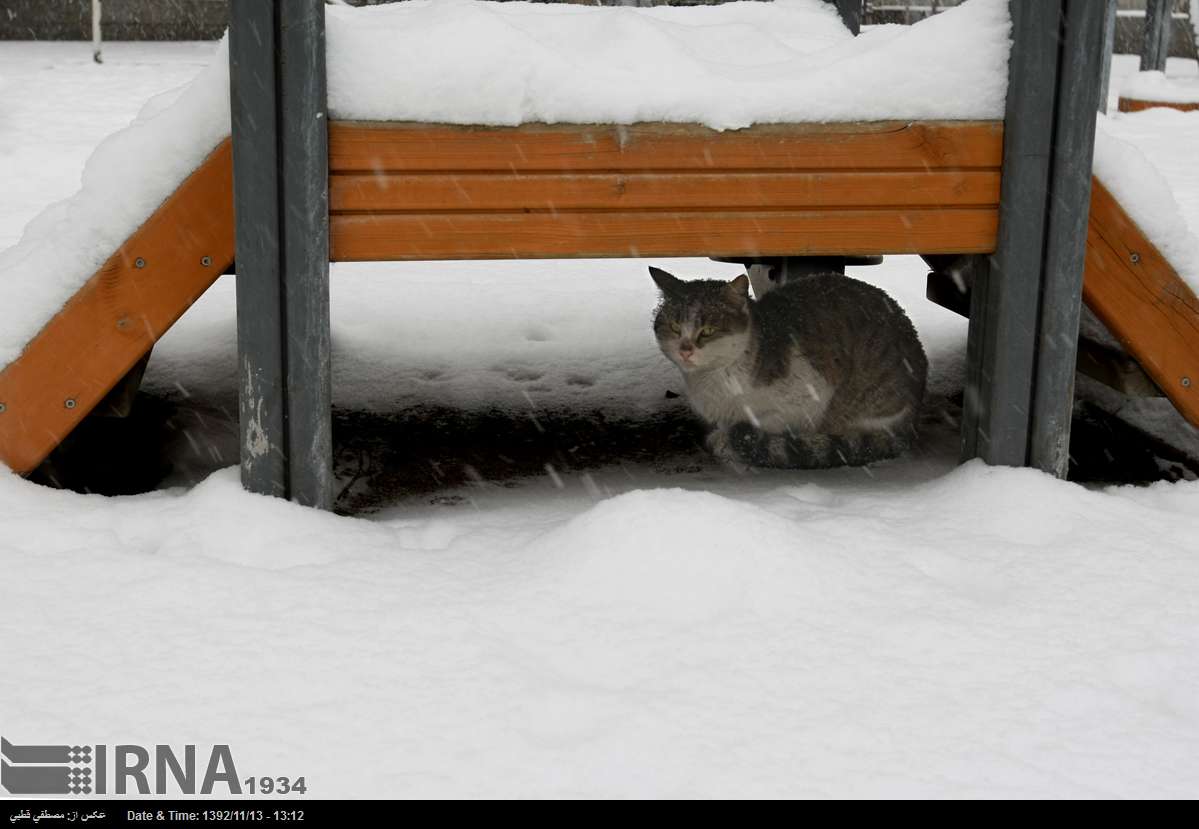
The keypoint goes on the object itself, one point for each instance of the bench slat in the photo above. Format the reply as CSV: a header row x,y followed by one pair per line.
x,y
922,145
392,236
681,191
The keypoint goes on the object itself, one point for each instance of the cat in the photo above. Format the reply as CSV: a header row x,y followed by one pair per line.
x,y
825,371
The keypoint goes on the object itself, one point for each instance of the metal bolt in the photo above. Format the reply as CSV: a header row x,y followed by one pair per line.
x,y
1135,258
1186,382
70,404
139,262
206,261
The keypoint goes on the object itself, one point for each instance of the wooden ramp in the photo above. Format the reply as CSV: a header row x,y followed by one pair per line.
x,y
118,315
404,191
1146,305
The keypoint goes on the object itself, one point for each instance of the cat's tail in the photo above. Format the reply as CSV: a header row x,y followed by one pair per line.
x,y
819,451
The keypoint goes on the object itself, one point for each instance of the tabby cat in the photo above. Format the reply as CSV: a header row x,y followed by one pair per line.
x,y
825,371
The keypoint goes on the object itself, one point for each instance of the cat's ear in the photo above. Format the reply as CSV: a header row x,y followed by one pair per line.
x,y
667,283
738,289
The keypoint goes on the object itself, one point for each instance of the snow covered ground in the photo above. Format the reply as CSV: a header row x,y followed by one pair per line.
x,y
631,619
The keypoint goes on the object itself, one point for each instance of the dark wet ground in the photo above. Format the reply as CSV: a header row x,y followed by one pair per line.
x,y
431,451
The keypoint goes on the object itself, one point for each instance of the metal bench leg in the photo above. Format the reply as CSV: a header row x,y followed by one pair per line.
x,y
280,172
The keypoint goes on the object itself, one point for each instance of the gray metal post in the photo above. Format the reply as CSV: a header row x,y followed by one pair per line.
x,y
1025,307
1155,46
254,106
1004,304
1109,46
851,13
280,178
1069,200
97,54
304,187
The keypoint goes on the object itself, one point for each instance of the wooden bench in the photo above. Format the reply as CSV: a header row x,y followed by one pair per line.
x,y
410,191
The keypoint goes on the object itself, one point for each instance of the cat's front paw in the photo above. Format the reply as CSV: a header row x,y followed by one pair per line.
x,y
721,445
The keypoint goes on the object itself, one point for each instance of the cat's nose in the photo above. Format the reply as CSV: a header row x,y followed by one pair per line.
x,y
686,349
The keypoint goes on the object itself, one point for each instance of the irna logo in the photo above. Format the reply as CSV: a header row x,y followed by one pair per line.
x,y
120,769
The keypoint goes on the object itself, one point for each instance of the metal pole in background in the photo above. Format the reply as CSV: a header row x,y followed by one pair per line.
x,y
96,56
1109,46
851,13
280,182
1155,46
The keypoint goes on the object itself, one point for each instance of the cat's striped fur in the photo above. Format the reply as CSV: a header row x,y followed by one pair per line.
x,y
826,371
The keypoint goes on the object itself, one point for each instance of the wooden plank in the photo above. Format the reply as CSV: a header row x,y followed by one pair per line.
x,y
115,318
361,237
1142,300
677,191
1137,105
921,145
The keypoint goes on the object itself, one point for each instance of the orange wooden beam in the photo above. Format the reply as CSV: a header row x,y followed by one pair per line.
x,y
433,192
1138,295
413,191
114,319
1138,105
397,236
922,145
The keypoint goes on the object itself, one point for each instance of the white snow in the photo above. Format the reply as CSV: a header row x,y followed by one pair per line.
x,y
127,177
727,66
636,630
989,633
1146,159
1126,67
1158,86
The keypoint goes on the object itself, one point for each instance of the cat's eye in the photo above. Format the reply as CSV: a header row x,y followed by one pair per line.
x,y
674,327
707,331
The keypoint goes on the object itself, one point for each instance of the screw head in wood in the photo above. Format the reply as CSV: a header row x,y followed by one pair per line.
x,y
123,323
2,408
1186,382
139,262
206,261
1134,258
70,404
